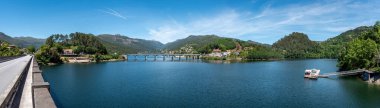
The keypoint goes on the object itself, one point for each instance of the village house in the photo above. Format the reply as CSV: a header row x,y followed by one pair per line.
x,y
68,52
11,46
216,53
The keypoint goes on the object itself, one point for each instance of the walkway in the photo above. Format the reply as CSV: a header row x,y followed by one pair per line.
x,y
345,73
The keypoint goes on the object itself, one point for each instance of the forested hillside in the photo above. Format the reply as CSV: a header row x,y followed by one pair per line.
x,y
333,46
123,44
362,51
297,45
22,42
206,43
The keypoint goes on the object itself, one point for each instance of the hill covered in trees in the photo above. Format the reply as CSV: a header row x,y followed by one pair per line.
x,y
123,44
195,41
331,48
297,45
22,42
362,51
205,43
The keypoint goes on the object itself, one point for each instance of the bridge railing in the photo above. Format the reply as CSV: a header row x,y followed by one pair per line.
x,y
40,89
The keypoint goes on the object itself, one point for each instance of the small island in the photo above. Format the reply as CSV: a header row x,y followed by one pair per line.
x,y
74,48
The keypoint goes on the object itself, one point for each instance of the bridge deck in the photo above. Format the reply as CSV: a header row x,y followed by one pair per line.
x,y
9,75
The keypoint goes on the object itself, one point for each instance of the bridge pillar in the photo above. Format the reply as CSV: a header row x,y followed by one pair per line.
x,y
146,57
155,57
163,56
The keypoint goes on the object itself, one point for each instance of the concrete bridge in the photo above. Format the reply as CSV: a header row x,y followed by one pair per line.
x,y
164,56
22,84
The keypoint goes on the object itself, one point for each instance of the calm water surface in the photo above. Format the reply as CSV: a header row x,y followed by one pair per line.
x,y
205,84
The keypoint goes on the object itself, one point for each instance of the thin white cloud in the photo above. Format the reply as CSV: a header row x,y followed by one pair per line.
x,y
114,13
320,20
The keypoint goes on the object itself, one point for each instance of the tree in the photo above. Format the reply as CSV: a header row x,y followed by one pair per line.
x,y
261,53
31,49
48,54
6,50
79,49
359,54
374,34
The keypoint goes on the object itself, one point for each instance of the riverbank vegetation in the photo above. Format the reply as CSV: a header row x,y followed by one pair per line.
x,y
261,53
363,51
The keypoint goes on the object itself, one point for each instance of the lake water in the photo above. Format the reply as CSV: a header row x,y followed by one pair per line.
x,y
206,84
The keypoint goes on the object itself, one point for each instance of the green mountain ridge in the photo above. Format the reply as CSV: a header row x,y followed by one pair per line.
x,y
193,40
22,41
333,46
297,45
205,43
124,44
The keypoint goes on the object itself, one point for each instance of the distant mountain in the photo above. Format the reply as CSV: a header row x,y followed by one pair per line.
x,y
297,45
124,44
258,43
349,35
22,41
333,46
205,43
194,41
27,41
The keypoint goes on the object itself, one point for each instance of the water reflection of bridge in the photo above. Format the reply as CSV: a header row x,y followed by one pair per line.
x,y
165,56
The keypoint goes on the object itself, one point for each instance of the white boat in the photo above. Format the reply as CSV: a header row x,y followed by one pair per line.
x,y
312,73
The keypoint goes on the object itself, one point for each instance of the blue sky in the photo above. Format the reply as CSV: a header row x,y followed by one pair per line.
x,y
263,21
